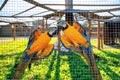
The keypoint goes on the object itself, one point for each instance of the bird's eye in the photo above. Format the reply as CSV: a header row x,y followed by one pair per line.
x,y
64,25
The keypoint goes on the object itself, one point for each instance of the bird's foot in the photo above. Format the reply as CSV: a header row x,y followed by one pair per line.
x,y
29,52
76,45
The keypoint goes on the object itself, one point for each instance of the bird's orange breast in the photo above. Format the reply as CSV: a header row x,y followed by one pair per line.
x,y
40,43
74,35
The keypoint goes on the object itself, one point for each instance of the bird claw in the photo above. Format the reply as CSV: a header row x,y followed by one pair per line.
x,y
76,49
76,45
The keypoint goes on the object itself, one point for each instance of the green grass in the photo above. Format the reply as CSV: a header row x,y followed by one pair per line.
x,y
109,62
63,66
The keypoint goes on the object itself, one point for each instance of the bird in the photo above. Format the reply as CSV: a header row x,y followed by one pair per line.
x,y
26,59
40,44
38,47
75,36
33,37
82,30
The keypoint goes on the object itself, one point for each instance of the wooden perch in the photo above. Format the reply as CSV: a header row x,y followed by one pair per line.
x,y
20,69
91,62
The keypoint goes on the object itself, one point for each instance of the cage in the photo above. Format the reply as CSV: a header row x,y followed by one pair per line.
x,y
60,39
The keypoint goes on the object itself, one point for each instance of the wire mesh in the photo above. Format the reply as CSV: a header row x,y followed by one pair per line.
x,y
20,18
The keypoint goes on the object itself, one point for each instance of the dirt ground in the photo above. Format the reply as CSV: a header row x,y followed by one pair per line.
x,y
4,40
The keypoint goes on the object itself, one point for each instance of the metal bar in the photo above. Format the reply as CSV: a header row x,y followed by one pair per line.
x,y
46,24
58,37
5,21
48,15
98,30
40,5
87,11
24,11
82,4
20,16
43,25
39,13
59,48
17,22
106,10
54,14
69,15
89,27
101,37
101,20
4,3
113,14
14,31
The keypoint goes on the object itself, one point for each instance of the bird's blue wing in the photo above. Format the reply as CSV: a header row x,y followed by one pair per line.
x,y
26,56
88,50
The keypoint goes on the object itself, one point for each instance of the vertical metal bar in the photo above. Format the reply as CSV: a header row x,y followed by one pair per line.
x,y
59,43
59,38
46,23
101,35
115,32
14,32
89,27
43,25
101,42
69,15
98,30
105,30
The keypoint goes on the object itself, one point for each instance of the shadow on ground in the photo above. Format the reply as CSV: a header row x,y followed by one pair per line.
x,y
9,66
79,70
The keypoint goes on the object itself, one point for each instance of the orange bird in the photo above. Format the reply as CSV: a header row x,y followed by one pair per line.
x,y
41,45
72,37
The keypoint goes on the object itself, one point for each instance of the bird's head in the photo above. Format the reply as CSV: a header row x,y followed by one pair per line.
x,y
62,24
